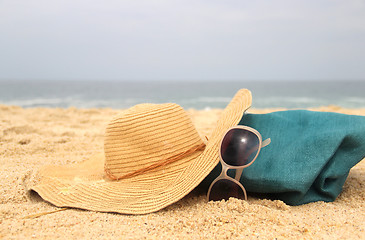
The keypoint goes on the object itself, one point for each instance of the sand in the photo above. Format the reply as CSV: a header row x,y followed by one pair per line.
x,y
30,138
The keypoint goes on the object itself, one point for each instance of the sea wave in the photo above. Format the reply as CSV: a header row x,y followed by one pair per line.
x,y
207,100
186,102
36,102
355,100
74,102
104,94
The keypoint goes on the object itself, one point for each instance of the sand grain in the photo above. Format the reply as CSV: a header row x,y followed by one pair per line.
x,y
30,138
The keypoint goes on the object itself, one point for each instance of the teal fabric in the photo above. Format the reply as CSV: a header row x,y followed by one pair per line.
x,y
309,158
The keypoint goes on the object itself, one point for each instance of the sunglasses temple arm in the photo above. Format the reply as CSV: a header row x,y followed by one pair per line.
x,y
238,174
265,143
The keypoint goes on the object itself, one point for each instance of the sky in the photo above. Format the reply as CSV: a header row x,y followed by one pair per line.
x,y
182,40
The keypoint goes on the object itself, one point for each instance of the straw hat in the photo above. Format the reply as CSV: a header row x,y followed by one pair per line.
x,y
153,156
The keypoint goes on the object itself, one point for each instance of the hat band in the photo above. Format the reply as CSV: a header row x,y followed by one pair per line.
x,y
158,164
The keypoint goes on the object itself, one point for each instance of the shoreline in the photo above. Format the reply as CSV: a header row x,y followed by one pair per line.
x,y
33,137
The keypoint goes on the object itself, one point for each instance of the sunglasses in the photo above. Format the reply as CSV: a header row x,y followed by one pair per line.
x,y
239,148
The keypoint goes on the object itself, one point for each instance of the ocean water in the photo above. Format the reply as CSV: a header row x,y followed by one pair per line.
x,y
198,95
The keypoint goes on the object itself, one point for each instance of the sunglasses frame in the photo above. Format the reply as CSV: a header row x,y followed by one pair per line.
x,y
239,169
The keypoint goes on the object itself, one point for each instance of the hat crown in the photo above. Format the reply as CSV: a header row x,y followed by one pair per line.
x,y
145,135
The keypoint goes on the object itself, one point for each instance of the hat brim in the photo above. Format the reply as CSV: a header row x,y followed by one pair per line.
x,y
84,185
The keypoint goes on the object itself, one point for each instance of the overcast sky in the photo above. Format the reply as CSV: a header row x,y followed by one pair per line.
x,y
182,40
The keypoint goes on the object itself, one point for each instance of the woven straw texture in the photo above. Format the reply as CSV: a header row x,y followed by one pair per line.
x,y
147,162
145,135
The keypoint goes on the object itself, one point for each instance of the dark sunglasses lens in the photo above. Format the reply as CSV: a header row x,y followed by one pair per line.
x,y
239,147
224,189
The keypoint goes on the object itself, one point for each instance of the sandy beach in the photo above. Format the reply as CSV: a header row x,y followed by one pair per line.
x,y
31,138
